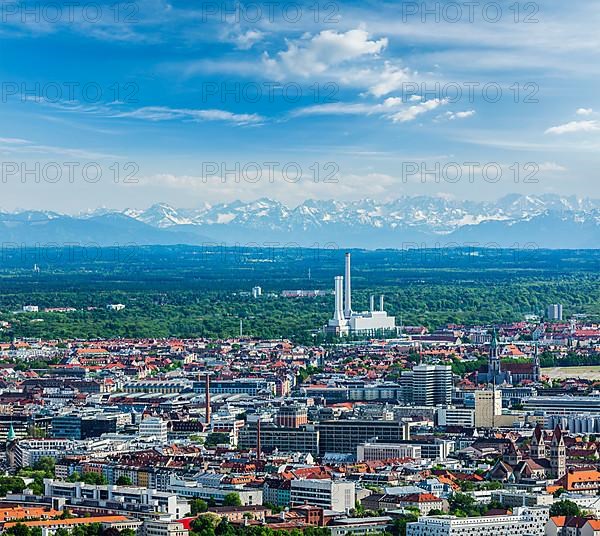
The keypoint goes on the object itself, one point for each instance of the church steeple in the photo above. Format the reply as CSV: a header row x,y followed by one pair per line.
x,y
538,445
494,369
558,453
11,436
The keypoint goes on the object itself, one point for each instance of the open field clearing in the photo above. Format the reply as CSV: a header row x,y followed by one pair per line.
x,y
589,372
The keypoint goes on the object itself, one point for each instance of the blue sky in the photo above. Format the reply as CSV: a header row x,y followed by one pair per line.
x,y
162,90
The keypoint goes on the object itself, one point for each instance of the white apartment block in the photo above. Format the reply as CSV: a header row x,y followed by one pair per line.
x,y
463,417
192,489
29,451
168,504
328,494
164,528
524,521
368,452
154,427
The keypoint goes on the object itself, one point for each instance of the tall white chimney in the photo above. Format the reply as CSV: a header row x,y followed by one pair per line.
x,y
381,302
338,314
372,303
348,290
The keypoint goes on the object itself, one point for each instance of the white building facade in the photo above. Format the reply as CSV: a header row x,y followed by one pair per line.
x,y
523,522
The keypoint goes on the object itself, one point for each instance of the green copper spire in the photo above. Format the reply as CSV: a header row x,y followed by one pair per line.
x,y
11,436
494,341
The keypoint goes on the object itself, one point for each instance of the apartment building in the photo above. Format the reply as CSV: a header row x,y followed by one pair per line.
x,y
328,494
164,528
368,452
524,521
127,498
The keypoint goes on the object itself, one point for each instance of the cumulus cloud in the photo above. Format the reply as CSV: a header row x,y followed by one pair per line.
x,y
350,58
314,55
573,127
584,111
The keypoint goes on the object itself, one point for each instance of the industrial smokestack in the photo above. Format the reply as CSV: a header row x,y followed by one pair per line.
x,y
258,445
348,289
207,399
372,303
381,302
339,292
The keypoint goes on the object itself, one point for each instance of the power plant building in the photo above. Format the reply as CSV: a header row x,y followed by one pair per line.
x,y
345,321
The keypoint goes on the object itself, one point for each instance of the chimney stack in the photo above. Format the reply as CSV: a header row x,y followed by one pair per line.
x,y
258,445
348,289
339,291
207,399
381,302
372,303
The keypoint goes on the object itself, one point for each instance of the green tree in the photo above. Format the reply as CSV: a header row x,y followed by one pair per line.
x,y
232,499
124,480
216,438
46,464
205,525
198,506
18,530
88,478
399,525
11,484
565,508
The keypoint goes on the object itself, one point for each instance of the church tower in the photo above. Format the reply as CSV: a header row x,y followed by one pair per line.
x,y
11,442
538,445
494,370
512,455
558,454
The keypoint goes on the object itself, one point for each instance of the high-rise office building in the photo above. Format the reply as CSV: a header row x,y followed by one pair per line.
x,y
555,311
343,436
427,385
488,407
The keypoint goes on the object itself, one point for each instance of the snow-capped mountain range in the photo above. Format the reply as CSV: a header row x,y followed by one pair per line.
x,y
550,221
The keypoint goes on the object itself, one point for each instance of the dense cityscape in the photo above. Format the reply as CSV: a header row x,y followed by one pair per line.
x,y
383,429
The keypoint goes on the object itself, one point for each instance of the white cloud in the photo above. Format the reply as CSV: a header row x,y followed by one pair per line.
x,y
451,116
390,79
574,126
551,166
315,55
13,141
26,147
244,40
584,111
393,108
466,113
350,58
163,113
411,113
